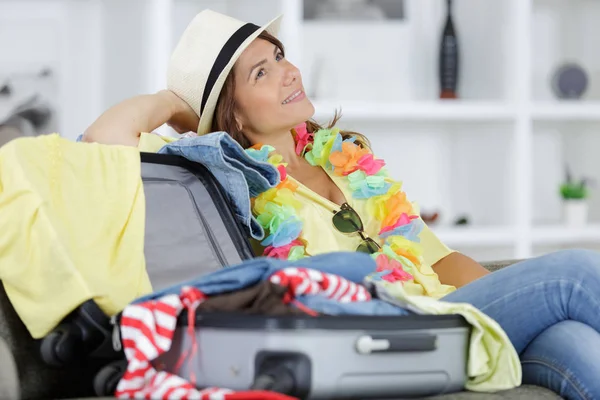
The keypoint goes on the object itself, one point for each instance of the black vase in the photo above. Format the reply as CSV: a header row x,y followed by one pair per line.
x,y
448,73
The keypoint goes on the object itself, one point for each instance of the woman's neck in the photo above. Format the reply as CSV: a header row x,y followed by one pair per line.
x,y
285,146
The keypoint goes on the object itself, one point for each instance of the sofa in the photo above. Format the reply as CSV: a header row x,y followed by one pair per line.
x,y
24,376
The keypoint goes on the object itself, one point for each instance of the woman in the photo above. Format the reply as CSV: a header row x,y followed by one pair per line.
x,y
226,75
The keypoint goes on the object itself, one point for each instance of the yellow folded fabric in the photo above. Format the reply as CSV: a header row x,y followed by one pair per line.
x,y
153,142
72,220
493,362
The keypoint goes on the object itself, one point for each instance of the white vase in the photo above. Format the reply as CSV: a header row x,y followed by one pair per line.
x,y
575,212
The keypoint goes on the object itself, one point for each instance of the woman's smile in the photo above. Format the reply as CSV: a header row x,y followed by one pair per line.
x,y
295,97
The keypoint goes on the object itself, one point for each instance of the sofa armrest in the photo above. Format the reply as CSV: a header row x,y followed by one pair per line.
x,y
9,377
496,265
36,379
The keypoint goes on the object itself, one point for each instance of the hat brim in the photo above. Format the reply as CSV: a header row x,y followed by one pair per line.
x,y
206,118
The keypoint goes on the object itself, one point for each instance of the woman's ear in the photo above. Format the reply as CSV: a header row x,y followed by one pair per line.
x,y
238,123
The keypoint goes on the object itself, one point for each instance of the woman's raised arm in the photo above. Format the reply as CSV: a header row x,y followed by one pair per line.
x,y
124,122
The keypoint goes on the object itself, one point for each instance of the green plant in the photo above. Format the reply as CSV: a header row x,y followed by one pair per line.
x,y
572,189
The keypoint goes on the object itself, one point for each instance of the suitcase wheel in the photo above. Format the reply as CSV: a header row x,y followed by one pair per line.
x,y
107,379
84,333
61,346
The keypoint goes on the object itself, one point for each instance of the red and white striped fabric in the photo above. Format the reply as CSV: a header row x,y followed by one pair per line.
x,y
147,332
305,281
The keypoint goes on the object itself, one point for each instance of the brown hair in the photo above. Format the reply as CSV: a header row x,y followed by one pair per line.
x,y
224,118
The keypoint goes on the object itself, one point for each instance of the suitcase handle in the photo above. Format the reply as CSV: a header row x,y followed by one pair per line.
x,y
369,344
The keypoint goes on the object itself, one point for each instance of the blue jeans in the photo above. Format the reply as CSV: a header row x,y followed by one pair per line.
x,y
550,309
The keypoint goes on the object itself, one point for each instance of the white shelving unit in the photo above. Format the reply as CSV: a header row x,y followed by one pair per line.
x,y
519,109
508,50
470,237
465,111
587,111
559,235
159,32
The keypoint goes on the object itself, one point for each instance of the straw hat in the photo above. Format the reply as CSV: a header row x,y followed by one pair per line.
x,y
204,56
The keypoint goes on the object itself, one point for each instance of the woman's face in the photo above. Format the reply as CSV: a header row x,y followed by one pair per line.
x,y
269,93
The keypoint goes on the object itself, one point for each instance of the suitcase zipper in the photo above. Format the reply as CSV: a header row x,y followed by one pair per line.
x,y
116,336
209,233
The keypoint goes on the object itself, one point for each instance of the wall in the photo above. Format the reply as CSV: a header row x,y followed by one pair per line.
x,y
124,31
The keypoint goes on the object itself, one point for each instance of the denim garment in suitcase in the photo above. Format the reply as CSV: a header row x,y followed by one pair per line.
x,y
328,357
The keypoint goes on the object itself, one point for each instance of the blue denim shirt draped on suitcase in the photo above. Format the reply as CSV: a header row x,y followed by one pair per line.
x,y
241,176
354,266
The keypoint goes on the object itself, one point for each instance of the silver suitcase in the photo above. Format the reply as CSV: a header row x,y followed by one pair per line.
x,y
329,357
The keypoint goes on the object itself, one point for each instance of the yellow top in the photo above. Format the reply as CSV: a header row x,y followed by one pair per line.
x,y
72,219
151,142
321,236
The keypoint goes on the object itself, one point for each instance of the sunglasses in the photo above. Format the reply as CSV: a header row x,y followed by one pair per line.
x,y
347,220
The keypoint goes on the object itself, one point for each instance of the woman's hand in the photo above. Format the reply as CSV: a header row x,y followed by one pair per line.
x,y
183,118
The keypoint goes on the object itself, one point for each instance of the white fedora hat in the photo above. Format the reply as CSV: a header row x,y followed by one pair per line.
x,y
204,56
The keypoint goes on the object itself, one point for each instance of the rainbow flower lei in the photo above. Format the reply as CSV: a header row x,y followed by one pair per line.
x,y
276,208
